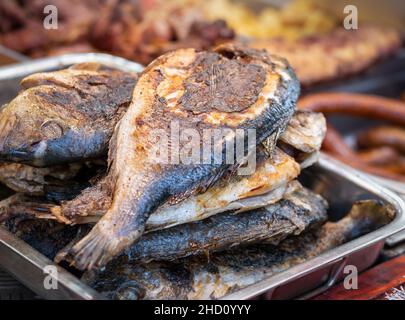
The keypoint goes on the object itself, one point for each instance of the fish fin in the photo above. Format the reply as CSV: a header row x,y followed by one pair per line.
x,y
63,254
203,186
181,197
112,149
98,247
24,207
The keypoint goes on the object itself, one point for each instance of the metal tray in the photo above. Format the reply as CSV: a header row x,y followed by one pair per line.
x,y
8,56
339,184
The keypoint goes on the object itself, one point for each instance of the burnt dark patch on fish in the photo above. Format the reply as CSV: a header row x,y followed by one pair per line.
x,y
46,236
222,84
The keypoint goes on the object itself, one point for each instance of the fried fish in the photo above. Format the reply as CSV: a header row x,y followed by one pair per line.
x,y
228,271
64,116
229,88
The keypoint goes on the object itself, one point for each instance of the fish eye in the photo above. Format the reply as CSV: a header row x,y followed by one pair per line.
x,y
130,290
51,129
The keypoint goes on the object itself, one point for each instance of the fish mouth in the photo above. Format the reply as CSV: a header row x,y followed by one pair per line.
x,y
16,156
28,153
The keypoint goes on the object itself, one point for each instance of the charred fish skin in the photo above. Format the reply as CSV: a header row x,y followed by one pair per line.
x,y
227,271
227,194
64,116
302,210
260,94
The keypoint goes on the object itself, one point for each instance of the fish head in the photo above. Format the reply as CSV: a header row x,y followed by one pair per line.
x,y
29,127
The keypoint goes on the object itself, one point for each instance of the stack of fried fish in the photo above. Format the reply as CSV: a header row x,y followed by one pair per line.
x,y
74,146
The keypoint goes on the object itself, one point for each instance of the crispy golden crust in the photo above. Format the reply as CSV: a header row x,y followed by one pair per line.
x,y
334,55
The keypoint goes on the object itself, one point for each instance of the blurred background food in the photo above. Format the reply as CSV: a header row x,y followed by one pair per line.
x,y
268,19
143,29
378,147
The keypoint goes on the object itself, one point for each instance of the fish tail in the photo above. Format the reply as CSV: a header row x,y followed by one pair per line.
x,y
91,251
122,225
98,248
369,215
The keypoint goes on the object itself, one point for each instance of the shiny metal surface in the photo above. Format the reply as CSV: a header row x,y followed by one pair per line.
x,y
8,56
63,61
29,267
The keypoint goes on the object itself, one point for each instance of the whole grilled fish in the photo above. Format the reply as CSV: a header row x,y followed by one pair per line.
x,y
275,220
297,211
226,194
229,88
64,116
267,185
227,271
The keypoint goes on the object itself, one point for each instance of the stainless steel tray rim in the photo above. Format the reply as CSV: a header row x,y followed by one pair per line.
x,y
39,65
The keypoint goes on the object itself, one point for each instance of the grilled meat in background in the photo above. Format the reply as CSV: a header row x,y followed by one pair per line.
x,y
336,54
143,30
128,28
224,272
64,116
